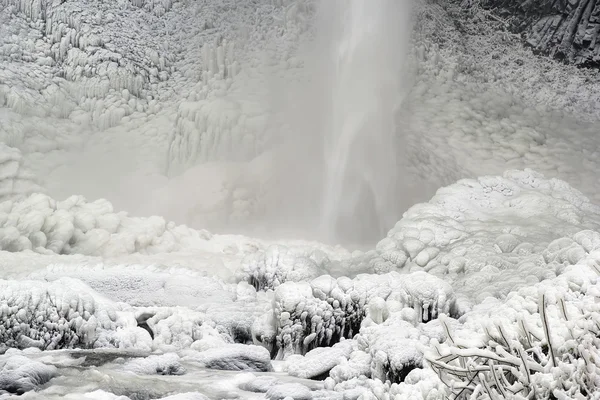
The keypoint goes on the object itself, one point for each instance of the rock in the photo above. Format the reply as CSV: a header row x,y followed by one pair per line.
x,y
295,391
19,374
235,357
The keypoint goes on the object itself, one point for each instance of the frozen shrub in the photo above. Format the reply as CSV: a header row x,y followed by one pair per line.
x,y
558,360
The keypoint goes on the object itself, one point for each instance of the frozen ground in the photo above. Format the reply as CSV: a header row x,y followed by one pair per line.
x,y
486,286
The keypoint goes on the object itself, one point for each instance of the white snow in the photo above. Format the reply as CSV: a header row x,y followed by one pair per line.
x,y
122,121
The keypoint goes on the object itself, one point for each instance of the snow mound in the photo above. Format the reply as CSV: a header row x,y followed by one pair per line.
x,y
75,226
234,357
493,234
19,374
394,348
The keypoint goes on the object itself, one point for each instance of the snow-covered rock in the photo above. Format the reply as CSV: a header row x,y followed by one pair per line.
x,y
318,362
164,364
19,374
234,357
326,310
489,236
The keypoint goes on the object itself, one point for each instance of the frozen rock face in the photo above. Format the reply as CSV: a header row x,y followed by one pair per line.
x,y
567,30
80,44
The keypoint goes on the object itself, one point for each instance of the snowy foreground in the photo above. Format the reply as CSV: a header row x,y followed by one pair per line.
x,y
486,288
490,286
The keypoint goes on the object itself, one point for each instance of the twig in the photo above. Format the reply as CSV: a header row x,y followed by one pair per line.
x,y
542,307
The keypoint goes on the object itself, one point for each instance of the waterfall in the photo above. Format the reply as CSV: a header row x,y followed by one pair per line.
x,y
362,46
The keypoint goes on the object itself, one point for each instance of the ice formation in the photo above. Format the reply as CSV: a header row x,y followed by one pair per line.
x,y
320,313
61,314
75,226
458,236
235,357
19,374
279,264
487,287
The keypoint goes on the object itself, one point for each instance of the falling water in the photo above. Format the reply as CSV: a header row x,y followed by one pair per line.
x,y
363,43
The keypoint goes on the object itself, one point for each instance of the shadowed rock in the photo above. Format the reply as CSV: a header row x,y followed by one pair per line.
x,y
568,30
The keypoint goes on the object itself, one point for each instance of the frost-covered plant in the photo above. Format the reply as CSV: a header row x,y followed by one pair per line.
x,y
278,264
528,363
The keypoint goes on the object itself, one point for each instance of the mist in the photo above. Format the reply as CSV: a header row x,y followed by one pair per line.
x,y
340,178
